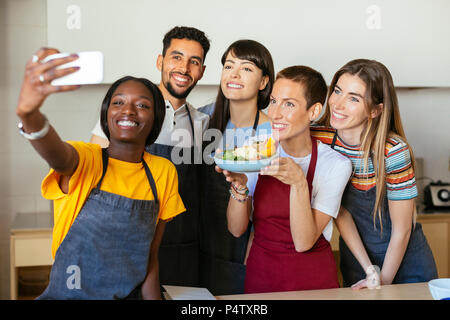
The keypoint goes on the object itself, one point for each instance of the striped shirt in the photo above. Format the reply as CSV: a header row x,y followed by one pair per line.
x,y
400,178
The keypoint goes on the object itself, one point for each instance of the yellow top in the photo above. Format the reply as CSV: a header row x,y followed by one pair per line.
x,y
123,178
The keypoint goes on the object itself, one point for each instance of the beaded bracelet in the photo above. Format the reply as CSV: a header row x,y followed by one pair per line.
x,y
241,191
235,198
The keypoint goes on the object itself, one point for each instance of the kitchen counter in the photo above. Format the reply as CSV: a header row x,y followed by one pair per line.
x,y
410,291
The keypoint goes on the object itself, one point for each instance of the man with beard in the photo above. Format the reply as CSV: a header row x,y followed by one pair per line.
x,y
182,65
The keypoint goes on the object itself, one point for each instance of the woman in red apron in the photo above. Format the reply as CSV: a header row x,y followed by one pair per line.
x,y
295,198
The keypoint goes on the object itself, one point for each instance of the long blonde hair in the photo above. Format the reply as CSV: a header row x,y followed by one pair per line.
x,y
387,124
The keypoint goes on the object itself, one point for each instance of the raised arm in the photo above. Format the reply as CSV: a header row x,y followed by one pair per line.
x,y
36,87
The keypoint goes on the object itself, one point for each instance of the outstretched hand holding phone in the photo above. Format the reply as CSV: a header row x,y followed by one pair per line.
x,y
34,126
36,85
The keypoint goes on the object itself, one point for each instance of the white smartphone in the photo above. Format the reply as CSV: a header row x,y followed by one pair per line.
x,y
91,68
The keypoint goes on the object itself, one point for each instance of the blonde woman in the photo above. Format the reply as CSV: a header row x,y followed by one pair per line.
x,y
377,217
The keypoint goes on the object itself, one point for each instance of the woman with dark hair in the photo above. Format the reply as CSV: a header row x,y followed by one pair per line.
x,y
245,86
110,205
159,112
377,220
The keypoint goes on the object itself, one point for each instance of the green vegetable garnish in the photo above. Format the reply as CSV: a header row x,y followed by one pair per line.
x,y
228,155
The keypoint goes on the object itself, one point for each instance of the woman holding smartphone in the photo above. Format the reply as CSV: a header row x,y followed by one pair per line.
x,y
110,205
377,221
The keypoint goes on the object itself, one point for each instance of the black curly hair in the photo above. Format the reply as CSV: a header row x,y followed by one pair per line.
x,y
186,33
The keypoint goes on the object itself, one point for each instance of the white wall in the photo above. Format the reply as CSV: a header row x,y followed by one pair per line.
x,y
318,33
426,118
23,27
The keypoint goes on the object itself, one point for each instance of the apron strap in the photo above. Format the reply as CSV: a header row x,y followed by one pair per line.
x,y
104,166
312,166
151,181
146,168
333,143
255,124
192,125
334,140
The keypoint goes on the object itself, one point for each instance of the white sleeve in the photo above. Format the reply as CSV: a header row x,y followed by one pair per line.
x,y
251,182
331,186
98,130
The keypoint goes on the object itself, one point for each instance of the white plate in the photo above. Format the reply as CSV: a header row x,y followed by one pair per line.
x,y
242,166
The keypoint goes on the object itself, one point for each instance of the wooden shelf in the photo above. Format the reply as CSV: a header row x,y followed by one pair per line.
x,y
30,245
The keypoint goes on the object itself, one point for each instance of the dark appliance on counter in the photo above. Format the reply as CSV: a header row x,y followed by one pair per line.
x,y
437,196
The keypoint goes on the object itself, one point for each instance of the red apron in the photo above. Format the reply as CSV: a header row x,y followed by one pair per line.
x,y
273,264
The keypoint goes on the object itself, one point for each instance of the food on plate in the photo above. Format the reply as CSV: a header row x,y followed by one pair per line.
x,y
256,151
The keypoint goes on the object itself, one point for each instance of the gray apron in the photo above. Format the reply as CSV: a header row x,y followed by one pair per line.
x,y
418,263
178,253
105,254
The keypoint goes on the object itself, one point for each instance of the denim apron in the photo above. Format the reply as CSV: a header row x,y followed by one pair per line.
x,y
106,251
417,264
222,269
178,253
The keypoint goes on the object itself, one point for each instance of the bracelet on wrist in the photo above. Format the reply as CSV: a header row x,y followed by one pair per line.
x,y
373,269
242,191
35,135
236,198
240,188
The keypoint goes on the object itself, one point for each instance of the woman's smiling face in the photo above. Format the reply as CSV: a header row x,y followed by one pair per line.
x,y
241,79
347,103
288,110
131,113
